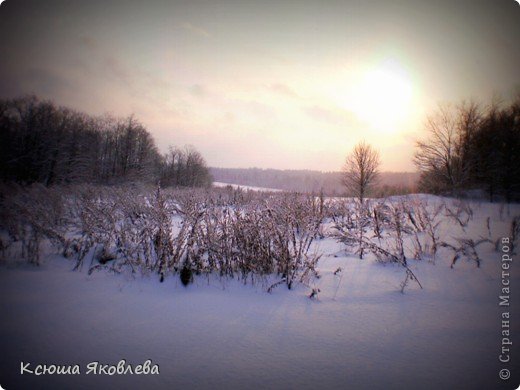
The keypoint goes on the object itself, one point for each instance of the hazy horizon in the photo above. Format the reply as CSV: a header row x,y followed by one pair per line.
x,y
382,171
280,85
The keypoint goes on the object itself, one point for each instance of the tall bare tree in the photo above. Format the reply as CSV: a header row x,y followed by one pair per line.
x,y
360,171
443,156
437,154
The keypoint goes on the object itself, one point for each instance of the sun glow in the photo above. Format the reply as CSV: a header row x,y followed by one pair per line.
x,y
381,97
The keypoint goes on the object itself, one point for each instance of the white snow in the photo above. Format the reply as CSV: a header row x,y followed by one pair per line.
x,y
361,332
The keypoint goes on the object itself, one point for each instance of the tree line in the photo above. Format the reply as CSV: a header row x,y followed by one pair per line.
x,y
330,183
471,147
43,143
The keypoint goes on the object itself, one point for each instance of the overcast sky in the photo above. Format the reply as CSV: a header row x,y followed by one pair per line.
x,y
279,84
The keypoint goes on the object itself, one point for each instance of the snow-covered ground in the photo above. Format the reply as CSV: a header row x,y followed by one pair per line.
x,y
361,332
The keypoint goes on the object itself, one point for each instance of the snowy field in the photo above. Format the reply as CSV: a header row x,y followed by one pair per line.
x,y
360,332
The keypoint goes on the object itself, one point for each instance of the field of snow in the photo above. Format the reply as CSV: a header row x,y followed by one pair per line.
x,y
360,333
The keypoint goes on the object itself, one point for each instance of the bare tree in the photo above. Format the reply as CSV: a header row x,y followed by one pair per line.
x,y
443,156
360,171
436,156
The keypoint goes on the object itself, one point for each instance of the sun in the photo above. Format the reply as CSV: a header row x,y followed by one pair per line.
x,y
381,96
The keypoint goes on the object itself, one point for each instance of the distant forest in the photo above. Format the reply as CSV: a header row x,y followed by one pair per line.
x,y
389,183
43,143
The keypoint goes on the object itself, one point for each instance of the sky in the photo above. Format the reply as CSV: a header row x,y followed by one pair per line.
x,y
271,84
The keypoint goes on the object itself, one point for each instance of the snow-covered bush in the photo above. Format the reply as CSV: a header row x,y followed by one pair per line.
x,y
185,232
352,220
30,215
256,237
379,228
425,219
